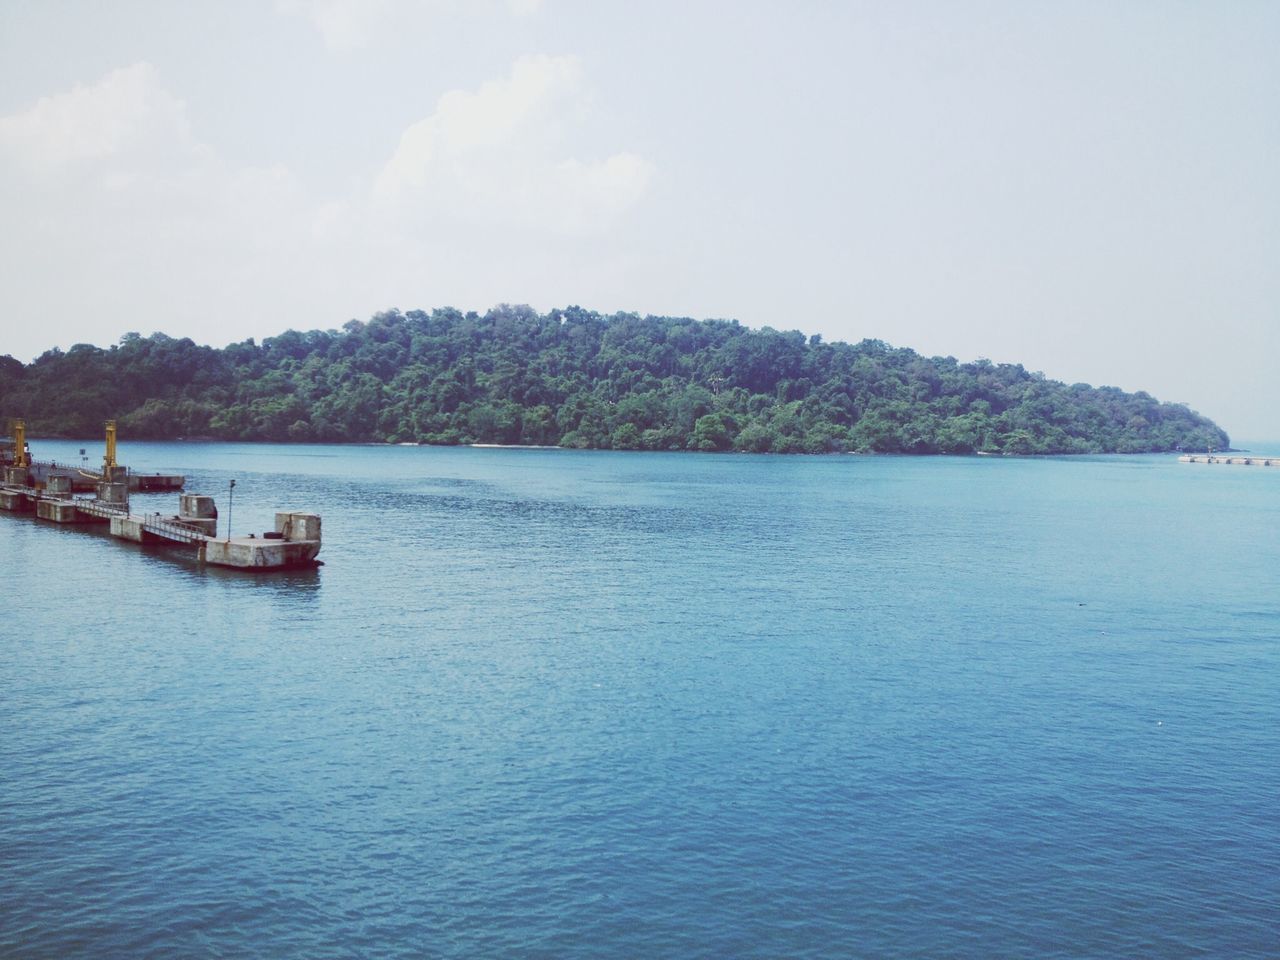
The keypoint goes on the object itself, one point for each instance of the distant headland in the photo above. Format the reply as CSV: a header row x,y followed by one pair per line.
x,y
575,378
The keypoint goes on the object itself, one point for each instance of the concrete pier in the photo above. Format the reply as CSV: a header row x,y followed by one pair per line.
x,y
294,542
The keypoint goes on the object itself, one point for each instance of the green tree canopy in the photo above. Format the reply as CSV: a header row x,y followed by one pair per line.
x,y
577,378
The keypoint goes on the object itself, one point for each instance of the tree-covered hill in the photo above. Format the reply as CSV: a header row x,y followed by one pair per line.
x,y
578,379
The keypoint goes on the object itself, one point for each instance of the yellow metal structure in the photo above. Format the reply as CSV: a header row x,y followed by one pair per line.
x,y
109,460
20,443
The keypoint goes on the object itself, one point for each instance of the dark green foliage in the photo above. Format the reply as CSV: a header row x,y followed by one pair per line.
x,y
577,379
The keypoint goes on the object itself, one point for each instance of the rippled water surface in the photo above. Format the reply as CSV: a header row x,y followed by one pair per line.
x,y
558,704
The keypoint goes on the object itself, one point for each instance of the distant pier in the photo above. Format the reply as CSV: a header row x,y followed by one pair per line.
x,y
1235,461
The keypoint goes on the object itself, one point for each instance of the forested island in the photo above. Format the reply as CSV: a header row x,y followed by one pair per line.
x,y
575,378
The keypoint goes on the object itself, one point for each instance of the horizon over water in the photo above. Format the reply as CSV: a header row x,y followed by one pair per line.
x,y
564,704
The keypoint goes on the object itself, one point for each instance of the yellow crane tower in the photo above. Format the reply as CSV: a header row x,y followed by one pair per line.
x,y
20,443
109,460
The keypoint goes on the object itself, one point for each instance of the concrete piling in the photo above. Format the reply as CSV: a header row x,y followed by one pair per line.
x,y
15,501
113,492
58,511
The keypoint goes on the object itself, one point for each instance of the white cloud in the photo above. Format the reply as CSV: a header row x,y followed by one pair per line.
x,y
118,215
124,142
114,207
494,154
127,120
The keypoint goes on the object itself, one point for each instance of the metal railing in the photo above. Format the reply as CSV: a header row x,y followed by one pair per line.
x,y
172,529
97,508
152,523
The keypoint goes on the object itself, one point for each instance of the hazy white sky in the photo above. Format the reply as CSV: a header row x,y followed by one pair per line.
x,y
1090,189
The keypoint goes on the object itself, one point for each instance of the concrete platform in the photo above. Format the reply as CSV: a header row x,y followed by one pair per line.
x,y
255,553
295,543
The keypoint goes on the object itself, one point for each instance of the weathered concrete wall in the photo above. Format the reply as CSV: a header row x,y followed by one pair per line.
x,y
247,554
58,484
130,528
199,510
196,505
298,526
58,511
17,502
113,492
17,476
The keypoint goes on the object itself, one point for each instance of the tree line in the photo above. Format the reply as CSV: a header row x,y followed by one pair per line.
x,y
575,378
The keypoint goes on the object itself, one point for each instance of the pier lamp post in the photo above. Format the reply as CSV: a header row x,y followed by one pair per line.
x,y
231,494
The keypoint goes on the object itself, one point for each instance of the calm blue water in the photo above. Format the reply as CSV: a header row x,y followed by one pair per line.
x,y
559,704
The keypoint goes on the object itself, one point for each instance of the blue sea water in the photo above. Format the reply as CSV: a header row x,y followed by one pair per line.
x,y
559,704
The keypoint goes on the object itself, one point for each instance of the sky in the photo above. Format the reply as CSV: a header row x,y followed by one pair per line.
x,y
1090,189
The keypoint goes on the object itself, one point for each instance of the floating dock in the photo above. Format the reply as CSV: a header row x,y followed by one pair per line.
x,y
1235,461
294,542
